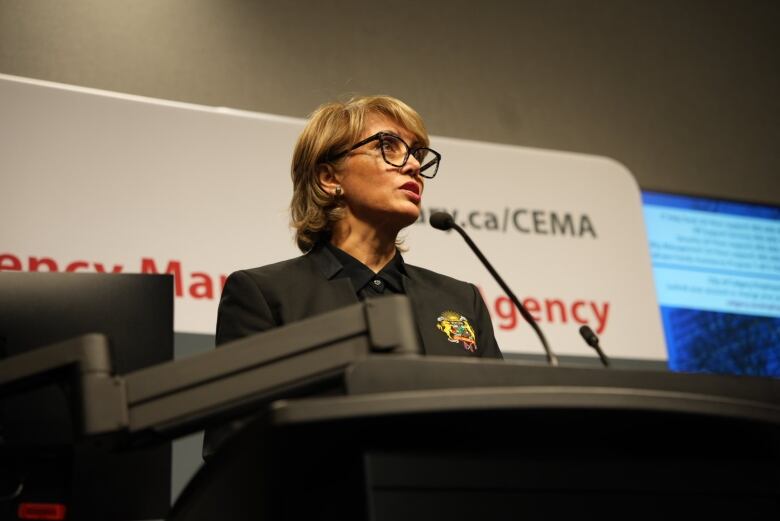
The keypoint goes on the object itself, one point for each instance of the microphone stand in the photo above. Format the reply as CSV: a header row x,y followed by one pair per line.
x,y
551,358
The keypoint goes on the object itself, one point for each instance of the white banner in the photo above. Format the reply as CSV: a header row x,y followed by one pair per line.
x,y
99,181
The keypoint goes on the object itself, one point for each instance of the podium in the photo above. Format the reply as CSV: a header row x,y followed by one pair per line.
x,y
347,421
423,438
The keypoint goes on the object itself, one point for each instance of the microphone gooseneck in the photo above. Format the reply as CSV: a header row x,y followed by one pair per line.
x,y
593,341
444,221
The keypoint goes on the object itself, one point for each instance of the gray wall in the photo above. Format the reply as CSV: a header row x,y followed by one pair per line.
x,y
684,93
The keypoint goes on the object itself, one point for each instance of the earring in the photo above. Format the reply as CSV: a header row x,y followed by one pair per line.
x,y
338,192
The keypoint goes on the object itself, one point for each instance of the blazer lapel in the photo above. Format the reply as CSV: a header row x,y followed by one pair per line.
x,y
428,303
341,293
332,293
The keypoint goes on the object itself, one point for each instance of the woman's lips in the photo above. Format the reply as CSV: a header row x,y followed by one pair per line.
x,y
412,191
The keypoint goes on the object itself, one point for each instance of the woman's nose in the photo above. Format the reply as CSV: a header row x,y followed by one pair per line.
x,y
412,166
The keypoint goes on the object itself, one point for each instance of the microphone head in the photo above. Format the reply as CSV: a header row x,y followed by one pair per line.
x,y
441,221
589,336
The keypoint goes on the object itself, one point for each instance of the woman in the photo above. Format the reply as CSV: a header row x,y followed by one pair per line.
x,y
358,174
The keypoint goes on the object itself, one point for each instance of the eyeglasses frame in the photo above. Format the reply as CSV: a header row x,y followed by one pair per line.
x,y
409,151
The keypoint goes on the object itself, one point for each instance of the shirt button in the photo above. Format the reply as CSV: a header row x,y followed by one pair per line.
x,y
377,283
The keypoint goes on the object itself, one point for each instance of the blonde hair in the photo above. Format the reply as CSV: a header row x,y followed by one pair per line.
x,y
332,129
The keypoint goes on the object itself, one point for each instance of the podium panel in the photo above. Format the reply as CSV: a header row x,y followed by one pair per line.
x,y
584,447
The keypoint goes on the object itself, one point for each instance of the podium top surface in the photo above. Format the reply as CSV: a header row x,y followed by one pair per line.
x,y
385,386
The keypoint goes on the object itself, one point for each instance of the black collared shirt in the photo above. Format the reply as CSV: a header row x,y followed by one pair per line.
x,y
366,283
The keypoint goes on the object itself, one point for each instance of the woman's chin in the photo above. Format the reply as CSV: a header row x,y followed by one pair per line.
x,y
409,212
392,219
400,220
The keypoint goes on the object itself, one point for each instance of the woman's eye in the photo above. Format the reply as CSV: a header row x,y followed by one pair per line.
x,y
391,145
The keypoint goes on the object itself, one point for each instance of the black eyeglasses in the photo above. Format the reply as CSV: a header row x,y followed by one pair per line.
x,y
396,153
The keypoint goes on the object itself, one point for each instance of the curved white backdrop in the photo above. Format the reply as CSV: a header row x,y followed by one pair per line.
x,y
99,181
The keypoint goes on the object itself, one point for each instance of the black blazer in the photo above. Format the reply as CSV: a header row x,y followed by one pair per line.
x,y
263,298
259,299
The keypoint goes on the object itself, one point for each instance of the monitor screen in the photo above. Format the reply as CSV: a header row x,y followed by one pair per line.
x,y
716,265
39,309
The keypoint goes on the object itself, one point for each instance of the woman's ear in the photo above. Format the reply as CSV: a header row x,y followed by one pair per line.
x,y
329,180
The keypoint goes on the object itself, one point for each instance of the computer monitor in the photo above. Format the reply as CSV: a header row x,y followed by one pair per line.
x,y
716,265
39,309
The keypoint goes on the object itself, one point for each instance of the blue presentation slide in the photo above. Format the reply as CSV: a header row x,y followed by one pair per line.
x,y
716,266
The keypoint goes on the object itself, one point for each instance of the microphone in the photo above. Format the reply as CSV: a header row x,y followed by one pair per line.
x,y
444,221
593,341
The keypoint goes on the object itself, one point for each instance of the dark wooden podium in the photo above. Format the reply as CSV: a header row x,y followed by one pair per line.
x,y
423,438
